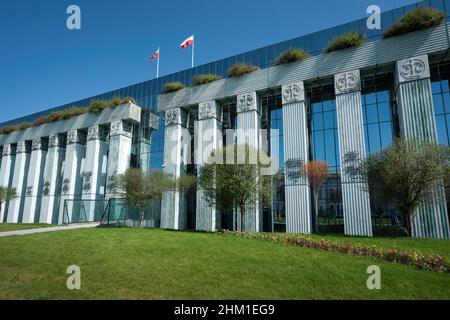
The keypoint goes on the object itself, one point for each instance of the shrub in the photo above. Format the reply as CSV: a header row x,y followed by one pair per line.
x,y
173,86
417,19
292,55
240,69
24,125
7,129
348,40
205,78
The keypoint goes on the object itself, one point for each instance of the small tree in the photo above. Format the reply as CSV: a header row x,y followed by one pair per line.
x,y
407,173
6,194
227,185
317,174
140,188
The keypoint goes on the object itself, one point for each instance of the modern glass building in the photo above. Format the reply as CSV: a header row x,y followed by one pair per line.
x,y
336,107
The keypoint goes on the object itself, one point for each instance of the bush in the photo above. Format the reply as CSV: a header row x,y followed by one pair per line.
x,y
417,19
346,41
205,78
97,106
240,69
24,125
291,55
173,86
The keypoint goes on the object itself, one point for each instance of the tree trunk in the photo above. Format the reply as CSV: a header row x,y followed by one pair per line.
x,y
407,214
316,196
242,209
141,225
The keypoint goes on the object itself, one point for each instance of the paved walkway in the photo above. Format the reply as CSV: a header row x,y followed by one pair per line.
x,y
42,230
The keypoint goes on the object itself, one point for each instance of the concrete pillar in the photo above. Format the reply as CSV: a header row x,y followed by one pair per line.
x,y
209,139
248,126
6,174
94,176
173,213
355,198
52,179
417,121
35,181
295,139
119,155
70,208
16,205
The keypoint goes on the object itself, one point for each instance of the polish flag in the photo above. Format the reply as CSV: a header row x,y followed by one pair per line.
x,y
188,42
155,55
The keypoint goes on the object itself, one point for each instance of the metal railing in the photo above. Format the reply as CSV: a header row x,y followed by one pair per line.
x,y
82,211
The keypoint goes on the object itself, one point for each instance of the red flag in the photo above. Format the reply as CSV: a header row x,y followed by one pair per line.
x,y
188,42
155,55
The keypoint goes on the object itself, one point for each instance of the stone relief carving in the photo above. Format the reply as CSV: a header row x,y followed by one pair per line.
x,y
29,191
97,133
173,117
121,128
57,141
47,186
39,144
66,186
413,69
347,82
76,136
8,150
294,92
23,147
207,110
247,102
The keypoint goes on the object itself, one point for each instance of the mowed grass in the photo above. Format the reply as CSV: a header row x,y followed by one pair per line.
x,y
155,264
22,226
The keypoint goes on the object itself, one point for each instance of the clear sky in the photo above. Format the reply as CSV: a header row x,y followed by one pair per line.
x,y
43,64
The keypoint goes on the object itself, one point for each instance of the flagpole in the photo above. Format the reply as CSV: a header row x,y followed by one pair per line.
x,y
193,51
157,64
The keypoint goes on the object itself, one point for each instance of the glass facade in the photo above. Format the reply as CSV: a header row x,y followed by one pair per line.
x,y
146,93
440,76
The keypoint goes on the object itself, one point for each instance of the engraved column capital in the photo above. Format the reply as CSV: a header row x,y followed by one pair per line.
x,y
294,92
8,150
208,110
173,116
247,102
57,140
97,133
23,147
412,69
347,82
121,128
76,136
39,144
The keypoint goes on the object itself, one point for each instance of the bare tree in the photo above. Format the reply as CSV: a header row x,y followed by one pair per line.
x,y
317,174
6,194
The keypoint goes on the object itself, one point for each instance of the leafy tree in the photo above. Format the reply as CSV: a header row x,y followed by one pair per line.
x,y
317,174
139,188
6,194
229,184
407,173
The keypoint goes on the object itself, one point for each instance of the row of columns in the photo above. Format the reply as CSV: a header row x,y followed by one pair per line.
x,y
50,172
416,115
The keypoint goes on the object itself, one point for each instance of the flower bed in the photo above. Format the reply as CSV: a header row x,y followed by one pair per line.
x,y
413,257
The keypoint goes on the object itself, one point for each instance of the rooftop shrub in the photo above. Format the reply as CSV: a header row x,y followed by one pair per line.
x,y
173,86
240,69
96,106
200,79
348,40
291,55
416,19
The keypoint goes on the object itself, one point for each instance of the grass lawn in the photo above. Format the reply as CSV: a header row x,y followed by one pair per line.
x,y
155,264
22,226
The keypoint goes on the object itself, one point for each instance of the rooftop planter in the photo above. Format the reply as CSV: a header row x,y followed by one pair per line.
x,y
200,79
240,69
291,55
348,40
173,86
417,19
95,107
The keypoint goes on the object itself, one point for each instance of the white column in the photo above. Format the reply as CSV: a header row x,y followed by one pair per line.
x,y
72,178
35,180
295,139
6,170
248,126
52,179
15,209
94,175
119,155
417,121
173,213
209,139
355,198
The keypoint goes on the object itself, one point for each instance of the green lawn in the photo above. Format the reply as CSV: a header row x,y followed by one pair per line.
x,y
155,264
22,226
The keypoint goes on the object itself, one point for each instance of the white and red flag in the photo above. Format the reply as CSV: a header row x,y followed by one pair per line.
x,y
155,55
188,42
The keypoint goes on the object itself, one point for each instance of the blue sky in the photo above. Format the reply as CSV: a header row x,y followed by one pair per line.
x,y
43,64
